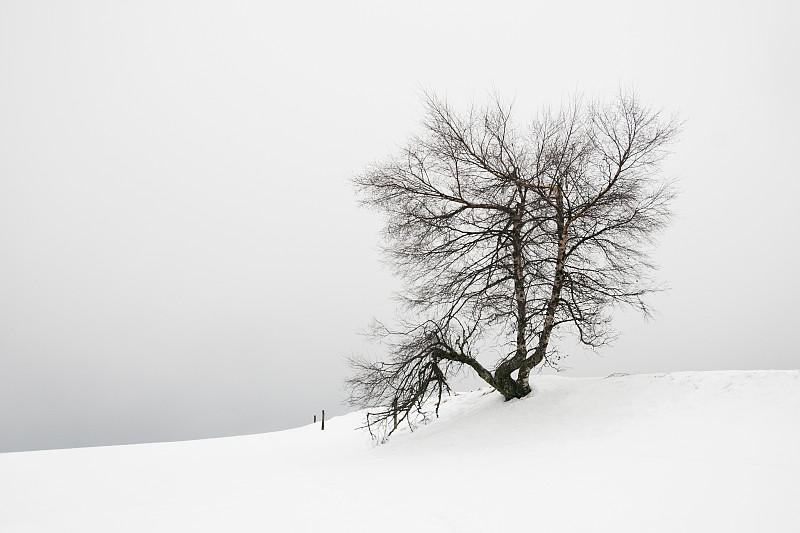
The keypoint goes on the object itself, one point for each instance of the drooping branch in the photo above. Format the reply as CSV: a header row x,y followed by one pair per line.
x,y
421,361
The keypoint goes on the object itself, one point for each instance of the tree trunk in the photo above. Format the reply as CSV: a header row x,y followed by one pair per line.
x,y
523,377
504,383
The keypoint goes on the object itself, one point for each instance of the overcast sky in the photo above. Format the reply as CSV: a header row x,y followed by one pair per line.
x,y
181,252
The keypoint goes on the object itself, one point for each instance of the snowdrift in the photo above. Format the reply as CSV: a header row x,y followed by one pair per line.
x,y
693,451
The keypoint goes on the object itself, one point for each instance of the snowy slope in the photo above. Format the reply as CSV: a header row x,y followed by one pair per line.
x,y
694,451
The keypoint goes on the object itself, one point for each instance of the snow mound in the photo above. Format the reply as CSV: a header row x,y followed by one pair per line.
x,y
692,451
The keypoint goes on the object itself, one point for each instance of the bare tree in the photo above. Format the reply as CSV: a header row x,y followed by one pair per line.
x,y
510,233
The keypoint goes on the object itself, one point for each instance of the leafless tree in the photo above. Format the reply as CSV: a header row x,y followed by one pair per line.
x,y
505,232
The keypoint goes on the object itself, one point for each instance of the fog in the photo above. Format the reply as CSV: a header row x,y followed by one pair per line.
x,y
182,254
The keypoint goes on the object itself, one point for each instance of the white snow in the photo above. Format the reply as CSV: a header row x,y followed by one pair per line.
x,y
692,451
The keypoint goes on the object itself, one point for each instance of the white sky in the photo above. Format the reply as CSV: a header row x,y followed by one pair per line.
x,y
181,253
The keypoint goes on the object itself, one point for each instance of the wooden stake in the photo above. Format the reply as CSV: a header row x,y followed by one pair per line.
x,y
394,407
323,420
315,419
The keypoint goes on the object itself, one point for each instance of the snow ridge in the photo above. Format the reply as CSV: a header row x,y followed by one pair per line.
x,y
688,451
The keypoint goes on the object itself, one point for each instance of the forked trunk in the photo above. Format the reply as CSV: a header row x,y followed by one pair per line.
x,y
523,386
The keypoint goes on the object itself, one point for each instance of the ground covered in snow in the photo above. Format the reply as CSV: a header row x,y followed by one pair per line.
x,y
691,451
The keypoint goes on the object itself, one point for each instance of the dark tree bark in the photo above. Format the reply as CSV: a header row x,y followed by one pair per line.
x,y
500,232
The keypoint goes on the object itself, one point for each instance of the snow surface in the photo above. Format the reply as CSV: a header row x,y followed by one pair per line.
x,y
692,451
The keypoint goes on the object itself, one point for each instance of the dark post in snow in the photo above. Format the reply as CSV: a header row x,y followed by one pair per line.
x,y
323,419
315,419
394,408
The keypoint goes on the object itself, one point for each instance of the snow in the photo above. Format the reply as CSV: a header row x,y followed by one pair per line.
x,y
692,451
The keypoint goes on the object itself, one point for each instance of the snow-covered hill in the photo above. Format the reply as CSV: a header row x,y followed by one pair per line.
x,y
694,451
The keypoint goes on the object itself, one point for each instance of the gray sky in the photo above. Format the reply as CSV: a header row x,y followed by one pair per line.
x,y
181,253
